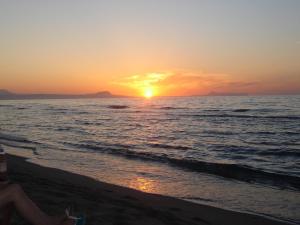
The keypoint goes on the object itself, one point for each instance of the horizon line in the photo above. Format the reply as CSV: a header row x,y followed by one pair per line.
x,y
8,95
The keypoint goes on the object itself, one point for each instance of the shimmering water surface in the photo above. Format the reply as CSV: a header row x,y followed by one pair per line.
x,y
241,153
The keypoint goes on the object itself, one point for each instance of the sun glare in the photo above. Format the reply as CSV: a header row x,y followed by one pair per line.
x,y
148,92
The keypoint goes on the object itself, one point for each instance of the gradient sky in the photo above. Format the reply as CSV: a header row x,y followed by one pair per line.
x,y
175,47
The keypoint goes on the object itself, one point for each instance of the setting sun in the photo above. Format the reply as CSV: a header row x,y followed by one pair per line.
x,y
148,92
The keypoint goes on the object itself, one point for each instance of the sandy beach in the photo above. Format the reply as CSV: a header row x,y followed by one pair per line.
x,y
108,204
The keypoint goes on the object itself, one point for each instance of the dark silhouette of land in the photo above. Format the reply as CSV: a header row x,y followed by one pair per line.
x,y
7,95
213,93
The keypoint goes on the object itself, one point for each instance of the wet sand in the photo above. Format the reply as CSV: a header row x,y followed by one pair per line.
x,y
107,204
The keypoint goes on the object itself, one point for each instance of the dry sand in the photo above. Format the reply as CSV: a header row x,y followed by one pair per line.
x,y
108,204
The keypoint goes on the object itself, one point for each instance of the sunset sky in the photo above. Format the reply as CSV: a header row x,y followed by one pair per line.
x,y
133,47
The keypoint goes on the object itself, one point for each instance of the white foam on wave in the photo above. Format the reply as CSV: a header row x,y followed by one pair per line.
x,y
13,137
17,142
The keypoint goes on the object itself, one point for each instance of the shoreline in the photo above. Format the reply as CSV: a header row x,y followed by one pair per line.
x,y
54,189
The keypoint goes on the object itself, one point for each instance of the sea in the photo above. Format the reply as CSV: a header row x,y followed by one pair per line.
x,y
240,153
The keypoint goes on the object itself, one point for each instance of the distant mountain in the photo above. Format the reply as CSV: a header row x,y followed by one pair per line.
x,y
213,93
4,92
7,95
101,94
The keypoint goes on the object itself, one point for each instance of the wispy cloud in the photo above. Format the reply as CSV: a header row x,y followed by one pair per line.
x,y
180,83
238,84
142,80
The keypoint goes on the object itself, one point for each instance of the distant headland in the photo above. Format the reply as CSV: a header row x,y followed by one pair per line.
x,y
7,95
213,93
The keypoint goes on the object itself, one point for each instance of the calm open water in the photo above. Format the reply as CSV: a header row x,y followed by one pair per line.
x,y
241,153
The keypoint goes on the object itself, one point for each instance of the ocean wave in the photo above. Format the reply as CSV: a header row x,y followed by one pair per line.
x,y
290,133
81,112
64,128
231,171
89,123
282,153
248,150
118,107
57,109
18,142
253,110
213,110
241,110
165,146
196,198
21,108
9,106
14,138
274,143
238,110
217,132
65,111
170,108
18,145
242,116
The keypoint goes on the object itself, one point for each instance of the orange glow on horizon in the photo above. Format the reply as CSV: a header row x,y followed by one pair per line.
x,y
146,85
151,84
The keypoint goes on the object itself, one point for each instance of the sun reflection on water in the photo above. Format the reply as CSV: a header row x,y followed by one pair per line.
x,y
143,184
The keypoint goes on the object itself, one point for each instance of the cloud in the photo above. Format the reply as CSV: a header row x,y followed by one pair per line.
x,y
238,84
142,80
176,83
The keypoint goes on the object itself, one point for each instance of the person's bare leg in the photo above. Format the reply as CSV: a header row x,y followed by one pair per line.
x,y
26,207
7,214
